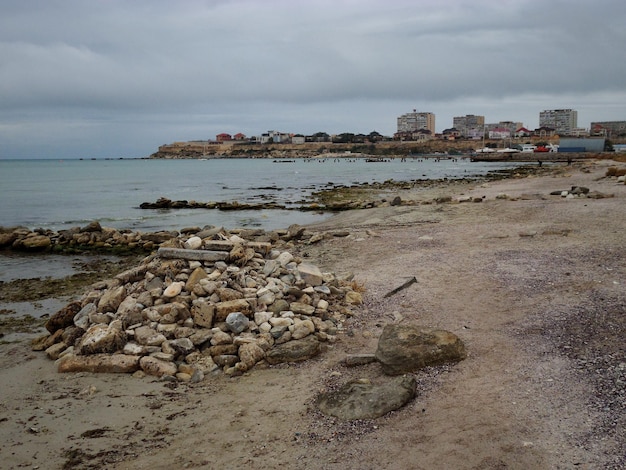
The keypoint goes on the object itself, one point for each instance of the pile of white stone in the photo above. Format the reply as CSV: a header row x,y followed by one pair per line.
x,y
200,305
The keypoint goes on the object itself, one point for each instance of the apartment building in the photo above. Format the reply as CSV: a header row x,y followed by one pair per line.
x,y
411,122
563,121
608,128
469,124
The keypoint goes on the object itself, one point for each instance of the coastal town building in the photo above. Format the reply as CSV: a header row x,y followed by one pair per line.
x,y
412,122
563,121
470,125
500,133
608,129
223,137
510,125
274,137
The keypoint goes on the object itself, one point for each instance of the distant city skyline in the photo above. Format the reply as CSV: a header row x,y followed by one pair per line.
x,y
119,78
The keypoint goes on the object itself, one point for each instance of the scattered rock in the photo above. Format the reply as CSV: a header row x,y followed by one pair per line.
x,y
294,351
363,400
407,348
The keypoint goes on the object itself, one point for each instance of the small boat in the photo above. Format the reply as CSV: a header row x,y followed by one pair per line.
x,y
485,150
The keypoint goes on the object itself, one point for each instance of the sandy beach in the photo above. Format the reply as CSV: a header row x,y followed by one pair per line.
x,y
533,283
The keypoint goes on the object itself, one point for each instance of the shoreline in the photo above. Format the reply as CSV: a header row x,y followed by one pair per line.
x,y
99,239
532,282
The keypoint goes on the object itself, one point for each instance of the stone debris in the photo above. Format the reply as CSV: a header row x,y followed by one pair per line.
x,y
579,192
200,304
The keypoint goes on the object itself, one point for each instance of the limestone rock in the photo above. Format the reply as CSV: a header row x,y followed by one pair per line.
x,y
406,348
222,309
99,363
129,311
249,355
194,278
36,243
310,274
362,400
173,290
301,308
55,350
146,336
202,313
193,243
81,319
157,367
181,346
111,299
102,339
63,318
294,351
302,328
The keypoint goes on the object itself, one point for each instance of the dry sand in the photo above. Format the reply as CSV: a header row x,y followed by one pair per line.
x,y
534,285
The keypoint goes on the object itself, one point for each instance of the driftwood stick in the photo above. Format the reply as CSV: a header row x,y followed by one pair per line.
x,y
413,280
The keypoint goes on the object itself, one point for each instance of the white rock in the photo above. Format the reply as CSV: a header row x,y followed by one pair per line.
x,y
310,274
173,289
302,328
133,349
193,243
262,317
237,240
281,321
284,258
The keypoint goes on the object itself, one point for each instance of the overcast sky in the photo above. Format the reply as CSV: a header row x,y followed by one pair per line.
x,y
118,78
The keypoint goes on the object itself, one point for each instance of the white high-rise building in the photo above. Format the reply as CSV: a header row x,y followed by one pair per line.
x,y
563,121
415,121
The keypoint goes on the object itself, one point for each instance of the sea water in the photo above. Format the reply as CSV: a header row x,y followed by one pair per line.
x,y
58,194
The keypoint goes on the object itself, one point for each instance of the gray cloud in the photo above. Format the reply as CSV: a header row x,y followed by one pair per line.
x,y
104,78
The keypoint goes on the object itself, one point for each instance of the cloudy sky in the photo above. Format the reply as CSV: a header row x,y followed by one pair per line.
x,y
118,78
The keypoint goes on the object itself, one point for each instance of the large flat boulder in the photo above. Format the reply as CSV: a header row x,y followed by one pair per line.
x,y
363,400
406,348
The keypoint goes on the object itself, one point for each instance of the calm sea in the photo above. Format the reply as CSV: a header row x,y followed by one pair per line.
x,y
59,194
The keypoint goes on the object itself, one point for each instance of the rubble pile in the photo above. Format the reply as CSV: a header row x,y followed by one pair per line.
x,y
200,304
